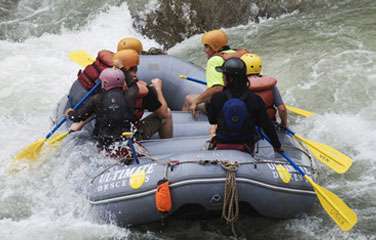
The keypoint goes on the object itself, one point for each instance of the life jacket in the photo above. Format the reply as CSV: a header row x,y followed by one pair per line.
x,y
263,87
135,94
91,72
113,116
234,120
238,53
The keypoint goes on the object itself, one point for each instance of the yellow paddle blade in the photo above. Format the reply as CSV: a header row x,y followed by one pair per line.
x,y
344,216
81,57
331,157
127,134
299,111
32,151
283,173
182,76
58,137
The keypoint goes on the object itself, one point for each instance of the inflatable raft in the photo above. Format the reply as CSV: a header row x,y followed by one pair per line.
x,y
197,176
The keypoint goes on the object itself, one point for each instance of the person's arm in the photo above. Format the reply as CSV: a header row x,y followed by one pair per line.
x,y
282,111
84,112
154,101
265,123
207,94
151,102
214,80
214,83
213,109
212,113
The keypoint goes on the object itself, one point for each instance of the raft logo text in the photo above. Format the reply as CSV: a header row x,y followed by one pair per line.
x,y
120,178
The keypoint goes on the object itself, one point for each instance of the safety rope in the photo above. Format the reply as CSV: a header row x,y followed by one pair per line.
x,y
230,207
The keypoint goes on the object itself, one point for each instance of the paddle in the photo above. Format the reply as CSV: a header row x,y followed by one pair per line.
x,y
331,157
33,150
282,171
129,136
299,111
292,109
342,215
81,57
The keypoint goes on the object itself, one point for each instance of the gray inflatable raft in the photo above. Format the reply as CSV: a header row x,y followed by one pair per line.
x,y
126,194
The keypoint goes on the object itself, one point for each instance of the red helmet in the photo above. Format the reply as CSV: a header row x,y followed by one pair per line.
x,y
112,78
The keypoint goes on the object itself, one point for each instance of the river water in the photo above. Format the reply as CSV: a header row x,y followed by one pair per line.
x,y
324,59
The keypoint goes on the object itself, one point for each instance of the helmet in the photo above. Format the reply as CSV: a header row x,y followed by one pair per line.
x,y
233,66
253,63
112,78
130,43
216,39
126,59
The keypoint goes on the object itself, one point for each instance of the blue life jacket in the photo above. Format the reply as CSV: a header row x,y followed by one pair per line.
x,y
234,124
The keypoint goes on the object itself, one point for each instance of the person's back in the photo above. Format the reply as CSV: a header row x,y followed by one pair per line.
x,y
86,77
217,50
237,110
235,114
113,114
266,88
143,96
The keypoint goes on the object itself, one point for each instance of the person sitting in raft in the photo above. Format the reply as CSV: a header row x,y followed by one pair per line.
x,y
86,78
113,113
217,50
237,111
266,88
142,96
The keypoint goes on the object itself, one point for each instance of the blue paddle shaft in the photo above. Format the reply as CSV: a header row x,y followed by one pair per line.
x,y
297,168
285,155
134,153
83,99
289,131
196,80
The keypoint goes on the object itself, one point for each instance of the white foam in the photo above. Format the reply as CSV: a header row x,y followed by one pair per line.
x,y
47,201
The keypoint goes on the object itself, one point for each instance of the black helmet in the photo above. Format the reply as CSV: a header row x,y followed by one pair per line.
x,y
233,66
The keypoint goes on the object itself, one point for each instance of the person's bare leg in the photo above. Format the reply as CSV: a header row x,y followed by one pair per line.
x,y
166,130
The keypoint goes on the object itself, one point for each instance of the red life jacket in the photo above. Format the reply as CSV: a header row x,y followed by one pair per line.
x,y
136,94
263,87
91,72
